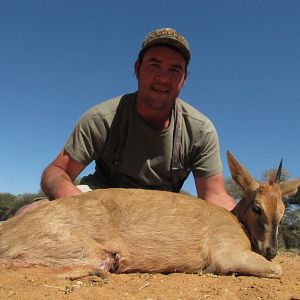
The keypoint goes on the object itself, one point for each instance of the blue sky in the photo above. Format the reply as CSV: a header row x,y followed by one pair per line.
x,y
59,58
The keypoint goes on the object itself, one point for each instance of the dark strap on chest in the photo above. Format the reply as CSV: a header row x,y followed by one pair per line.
x,y
121,125
176,150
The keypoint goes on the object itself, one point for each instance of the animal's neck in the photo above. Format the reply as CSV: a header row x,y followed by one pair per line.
x,y
239,211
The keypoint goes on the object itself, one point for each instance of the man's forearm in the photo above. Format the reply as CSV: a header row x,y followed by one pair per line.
x,y
223,200
56,183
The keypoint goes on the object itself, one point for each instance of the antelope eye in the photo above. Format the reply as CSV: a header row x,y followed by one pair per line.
x,y
256,209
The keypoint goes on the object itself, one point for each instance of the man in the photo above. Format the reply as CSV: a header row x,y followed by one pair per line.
x,y
149,139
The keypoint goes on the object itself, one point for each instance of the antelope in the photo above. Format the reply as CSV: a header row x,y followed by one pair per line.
x,y
134,230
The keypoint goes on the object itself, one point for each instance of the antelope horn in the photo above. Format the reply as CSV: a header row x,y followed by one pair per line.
x,y
278,175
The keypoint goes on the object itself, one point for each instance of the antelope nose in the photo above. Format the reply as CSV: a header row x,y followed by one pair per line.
x,y
271,253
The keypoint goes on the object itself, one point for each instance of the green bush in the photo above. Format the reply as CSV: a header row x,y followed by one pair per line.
x,y
10,204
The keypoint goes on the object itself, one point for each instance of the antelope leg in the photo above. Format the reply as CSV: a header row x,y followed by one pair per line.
x,y
250,263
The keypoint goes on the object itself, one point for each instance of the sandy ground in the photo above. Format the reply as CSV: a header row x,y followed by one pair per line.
x,y
37,283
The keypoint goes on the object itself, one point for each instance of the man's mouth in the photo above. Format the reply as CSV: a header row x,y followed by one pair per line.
x,y
160,89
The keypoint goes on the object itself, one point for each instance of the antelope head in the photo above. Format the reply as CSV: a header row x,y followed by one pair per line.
x,y
261,209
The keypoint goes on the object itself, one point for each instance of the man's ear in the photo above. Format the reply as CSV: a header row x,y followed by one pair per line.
x,y
184,81
137,66
185,76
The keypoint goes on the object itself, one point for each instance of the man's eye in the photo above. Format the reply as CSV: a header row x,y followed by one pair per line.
x,y
175,71
154,65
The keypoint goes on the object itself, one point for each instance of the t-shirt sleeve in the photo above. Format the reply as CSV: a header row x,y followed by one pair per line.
x,y
206,159
87,139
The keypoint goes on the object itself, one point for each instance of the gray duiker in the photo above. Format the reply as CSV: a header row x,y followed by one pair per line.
x,y
135,230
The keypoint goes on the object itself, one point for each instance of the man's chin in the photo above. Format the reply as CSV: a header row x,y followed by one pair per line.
x,y
159,104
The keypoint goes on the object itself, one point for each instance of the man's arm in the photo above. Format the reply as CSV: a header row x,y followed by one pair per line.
x,y
57,179
212,189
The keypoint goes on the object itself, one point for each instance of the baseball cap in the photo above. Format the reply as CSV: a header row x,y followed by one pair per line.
x,y
168,36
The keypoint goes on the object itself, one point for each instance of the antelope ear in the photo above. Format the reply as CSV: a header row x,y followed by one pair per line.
x,y
240,174
289,187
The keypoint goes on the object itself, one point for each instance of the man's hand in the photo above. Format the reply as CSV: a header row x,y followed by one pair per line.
x,y
57,179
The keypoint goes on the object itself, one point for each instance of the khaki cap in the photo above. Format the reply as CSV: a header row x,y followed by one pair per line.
x,y
168,36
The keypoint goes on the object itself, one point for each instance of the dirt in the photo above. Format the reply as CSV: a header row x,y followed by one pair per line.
x,y
38,283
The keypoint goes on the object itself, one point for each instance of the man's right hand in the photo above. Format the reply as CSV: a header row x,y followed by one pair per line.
x,y
57,179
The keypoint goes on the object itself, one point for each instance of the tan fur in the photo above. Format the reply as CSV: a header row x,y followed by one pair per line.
x,y
134,230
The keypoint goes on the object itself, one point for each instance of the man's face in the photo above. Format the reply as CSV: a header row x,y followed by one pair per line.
x,y
161,76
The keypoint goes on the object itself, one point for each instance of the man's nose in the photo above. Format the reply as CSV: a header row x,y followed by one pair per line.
x,y
163,76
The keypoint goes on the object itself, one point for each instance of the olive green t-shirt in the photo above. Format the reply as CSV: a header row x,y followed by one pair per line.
x,y
146,154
